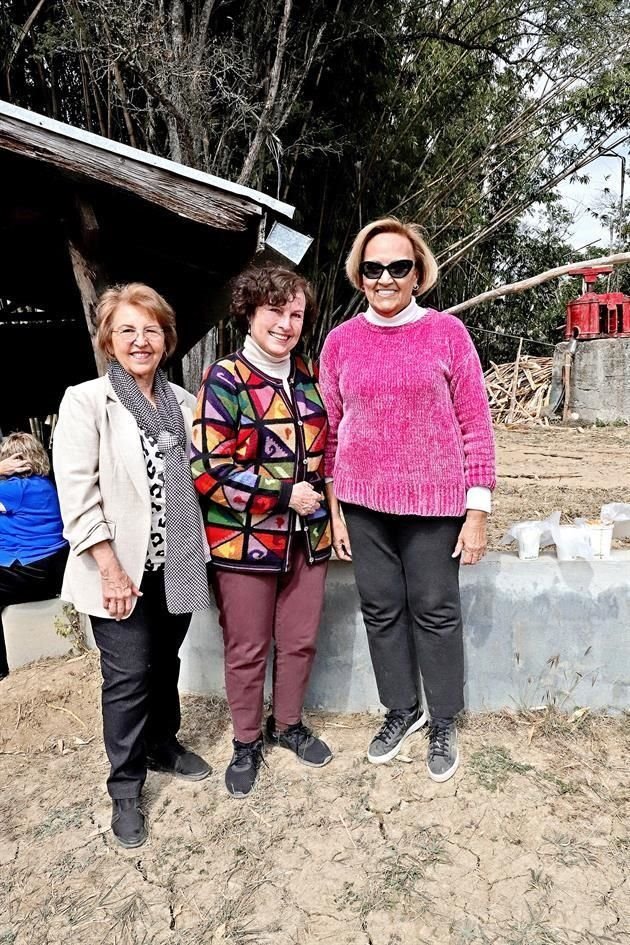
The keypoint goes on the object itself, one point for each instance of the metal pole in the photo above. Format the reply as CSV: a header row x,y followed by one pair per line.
x,y
614,276
623,181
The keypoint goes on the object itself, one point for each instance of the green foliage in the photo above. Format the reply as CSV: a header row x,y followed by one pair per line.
x,y
463,116
70,626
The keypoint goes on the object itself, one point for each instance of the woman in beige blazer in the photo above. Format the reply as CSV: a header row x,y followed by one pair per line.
x,y
137,561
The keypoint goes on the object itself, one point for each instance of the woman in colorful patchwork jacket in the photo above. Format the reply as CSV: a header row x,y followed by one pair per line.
x,y
257,461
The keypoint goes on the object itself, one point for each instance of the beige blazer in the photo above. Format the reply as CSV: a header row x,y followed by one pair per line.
x,y
101,479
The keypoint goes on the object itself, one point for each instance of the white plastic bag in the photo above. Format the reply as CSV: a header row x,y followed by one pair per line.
x,y
619,514
531,536
572,541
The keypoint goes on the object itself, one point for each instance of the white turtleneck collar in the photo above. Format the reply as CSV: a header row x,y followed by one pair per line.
x,y
270,364
411,313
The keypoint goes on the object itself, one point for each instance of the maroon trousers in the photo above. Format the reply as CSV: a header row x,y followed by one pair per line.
x,y
255,609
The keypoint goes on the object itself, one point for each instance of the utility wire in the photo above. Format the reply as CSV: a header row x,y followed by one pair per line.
x,y
505,334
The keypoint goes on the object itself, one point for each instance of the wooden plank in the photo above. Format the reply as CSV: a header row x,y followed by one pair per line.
x,y
514,382
86,284
83,249
189,199
119,150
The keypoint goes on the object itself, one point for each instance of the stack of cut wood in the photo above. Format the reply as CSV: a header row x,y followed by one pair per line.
x,y
518,391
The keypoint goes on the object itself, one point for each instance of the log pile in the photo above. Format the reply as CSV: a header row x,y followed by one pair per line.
x,y
518,392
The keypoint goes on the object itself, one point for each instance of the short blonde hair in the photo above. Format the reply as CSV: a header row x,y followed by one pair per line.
x,y
27,447
143,296
424,259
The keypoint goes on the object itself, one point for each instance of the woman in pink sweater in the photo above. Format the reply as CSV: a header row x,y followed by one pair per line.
x,y
410,469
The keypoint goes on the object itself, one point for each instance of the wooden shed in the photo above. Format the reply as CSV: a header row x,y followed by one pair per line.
x,y
79,212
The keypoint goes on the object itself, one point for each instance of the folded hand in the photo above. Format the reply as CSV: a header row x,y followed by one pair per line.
x,y
304,499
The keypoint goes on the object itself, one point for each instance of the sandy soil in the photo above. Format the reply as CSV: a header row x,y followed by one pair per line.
x,y
574,469
529,844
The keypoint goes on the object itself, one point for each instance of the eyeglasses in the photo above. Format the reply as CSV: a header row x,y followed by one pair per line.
x,y
397,269
151,334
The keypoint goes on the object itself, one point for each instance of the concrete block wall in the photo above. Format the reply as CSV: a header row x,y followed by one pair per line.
x,y
600,379
536,632
29,631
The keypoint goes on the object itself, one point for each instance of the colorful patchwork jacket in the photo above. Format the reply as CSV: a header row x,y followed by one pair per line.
x,y
250,444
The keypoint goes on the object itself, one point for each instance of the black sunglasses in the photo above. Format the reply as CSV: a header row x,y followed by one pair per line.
x,y
397,269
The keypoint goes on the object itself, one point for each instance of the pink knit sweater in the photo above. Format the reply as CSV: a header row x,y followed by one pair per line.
x,y
410,428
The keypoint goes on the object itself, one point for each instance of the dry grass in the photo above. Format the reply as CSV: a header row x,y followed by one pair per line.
x,y
527,845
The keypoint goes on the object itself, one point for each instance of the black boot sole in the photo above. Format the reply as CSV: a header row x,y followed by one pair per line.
x,y
153,766
131,844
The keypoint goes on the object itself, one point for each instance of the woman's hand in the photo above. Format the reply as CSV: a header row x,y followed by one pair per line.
x,y
304,499
13,466
118,589
340,538
472,540
119,592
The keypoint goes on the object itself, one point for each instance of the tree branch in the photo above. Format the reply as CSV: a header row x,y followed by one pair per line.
x,y
513,288
274,84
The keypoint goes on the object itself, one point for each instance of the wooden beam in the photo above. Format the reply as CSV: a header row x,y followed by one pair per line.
x,y
88,224
83,249
86,284
188,198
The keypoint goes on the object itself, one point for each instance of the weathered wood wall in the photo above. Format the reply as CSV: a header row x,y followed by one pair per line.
x,y
189,199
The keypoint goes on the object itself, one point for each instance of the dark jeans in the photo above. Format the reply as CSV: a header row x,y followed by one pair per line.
x,y
21,583
140,668
409,589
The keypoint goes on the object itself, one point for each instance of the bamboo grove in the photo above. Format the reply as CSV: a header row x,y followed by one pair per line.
x,y
464,115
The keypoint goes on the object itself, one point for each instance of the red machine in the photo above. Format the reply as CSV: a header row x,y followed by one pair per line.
x,y
597,315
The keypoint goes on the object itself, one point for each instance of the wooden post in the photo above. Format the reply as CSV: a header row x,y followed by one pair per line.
x,y
510,416
88,275
566,380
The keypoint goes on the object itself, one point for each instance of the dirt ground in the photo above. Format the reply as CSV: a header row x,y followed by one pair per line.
x,y
529,844
574,469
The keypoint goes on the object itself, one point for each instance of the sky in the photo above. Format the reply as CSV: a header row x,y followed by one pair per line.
x,y
577,198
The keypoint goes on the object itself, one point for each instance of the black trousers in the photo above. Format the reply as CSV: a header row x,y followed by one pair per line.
x,y
409,589
140,668
21,583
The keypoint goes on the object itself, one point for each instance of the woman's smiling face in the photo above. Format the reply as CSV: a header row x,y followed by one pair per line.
x,y
137,341
277,328
388,296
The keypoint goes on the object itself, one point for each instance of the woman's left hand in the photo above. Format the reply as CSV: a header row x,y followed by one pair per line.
x,y
472,540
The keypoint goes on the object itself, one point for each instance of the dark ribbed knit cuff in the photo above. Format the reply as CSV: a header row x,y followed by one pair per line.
x,y
286,488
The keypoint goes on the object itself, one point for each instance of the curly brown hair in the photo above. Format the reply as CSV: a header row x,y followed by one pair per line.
x,y
269,285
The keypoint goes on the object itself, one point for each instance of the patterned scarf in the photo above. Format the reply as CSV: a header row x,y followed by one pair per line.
x,y
185,577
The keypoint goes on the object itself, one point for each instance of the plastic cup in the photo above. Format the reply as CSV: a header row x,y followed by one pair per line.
x,y
565,539
600,536
528,542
